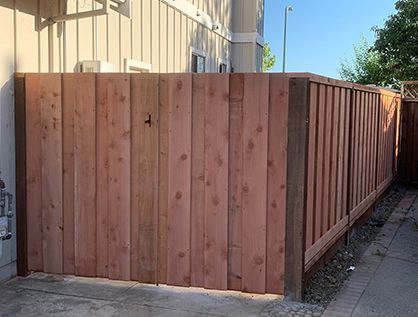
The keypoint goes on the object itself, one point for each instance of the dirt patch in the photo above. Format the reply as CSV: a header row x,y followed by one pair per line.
x,y
325,283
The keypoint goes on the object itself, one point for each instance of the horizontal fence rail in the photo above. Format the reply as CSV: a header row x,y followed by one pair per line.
x,y
222,181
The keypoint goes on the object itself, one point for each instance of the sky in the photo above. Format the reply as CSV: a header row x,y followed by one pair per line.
x,y
321,33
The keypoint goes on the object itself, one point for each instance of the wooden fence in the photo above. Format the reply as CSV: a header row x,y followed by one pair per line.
x,y
351,157
222,181
408,168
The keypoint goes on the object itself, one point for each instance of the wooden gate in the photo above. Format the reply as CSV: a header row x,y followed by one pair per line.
x,y
175,178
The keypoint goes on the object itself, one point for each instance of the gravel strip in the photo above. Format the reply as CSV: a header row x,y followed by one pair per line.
x,y
325,283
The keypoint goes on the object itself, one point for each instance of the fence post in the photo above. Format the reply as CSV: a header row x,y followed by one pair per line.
x,y
297,158
20,144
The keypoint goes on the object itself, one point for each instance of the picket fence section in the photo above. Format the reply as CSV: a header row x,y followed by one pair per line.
x,y
222,181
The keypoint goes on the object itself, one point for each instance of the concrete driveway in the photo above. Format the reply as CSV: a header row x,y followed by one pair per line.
x,y
54,295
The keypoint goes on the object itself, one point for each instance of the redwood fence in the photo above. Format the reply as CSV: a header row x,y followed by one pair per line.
x,y
408,167
222,181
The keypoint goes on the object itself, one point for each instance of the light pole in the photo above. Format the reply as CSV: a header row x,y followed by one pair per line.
x,y
286,11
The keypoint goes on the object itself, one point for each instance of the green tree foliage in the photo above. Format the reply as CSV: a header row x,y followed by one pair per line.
x,y
269,59
397,42
366,68
394,55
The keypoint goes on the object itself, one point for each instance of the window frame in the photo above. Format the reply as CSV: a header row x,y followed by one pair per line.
x,y
198,53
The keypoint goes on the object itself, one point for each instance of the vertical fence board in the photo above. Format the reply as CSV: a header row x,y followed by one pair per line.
x,y
51,152
79,94
164,97
340,156
179,191
119,118
236,95
197,248
334,156
102,176
369,143
298,136
68,172
216,178
144,167
276,186
311,190
374,144
33,174
21,175
346,154
361,149
114,95
326,194
319,161
355,148
255,143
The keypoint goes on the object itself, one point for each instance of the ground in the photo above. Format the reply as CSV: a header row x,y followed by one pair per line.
x,y
44,294
384,283
324,284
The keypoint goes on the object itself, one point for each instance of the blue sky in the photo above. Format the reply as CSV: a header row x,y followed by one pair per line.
x,y
321,32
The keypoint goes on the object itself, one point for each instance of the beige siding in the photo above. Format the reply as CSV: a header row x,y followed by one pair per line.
x,y
156,34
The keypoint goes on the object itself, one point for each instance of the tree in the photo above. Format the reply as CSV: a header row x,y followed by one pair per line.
x,y
397,42
269,59
366,68
394,55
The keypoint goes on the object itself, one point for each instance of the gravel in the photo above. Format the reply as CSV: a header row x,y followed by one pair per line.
x,y
325,283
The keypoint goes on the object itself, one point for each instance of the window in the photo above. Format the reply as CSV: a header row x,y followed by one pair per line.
x,y
198,63
223,68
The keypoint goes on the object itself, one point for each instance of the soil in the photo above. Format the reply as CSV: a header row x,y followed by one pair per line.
x,y
324,284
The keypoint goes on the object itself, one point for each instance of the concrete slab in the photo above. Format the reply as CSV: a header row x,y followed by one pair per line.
x,y
388,271
27,303
393,291
198,300
96,288
54,295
